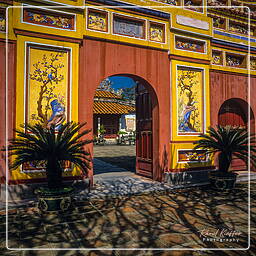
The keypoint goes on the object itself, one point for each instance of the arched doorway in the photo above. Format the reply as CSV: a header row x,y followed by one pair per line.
x,y
115,108
234,112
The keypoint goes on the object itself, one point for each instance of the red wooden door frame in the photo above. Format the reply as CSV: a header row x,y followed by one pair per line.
x,y
144,136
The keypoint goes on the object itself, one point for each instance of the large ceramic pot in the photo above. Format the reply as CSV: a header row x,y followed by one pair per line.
x,y
54,200
222,181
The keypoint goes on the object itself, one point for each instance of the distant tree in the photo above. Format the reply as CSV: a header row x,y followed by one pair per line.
x,y
106,85
129,93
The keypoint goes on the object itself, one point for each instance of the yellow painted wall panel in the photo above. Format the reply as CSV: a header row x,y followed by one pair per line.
x,y
21,84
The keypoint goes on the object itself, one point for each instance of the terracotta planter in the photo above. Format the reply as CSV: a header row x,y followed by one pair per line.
x,y
222,181
54,200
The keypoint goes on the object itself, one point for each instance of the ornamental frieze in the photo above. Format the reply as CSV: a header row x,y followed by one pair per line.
x,y
192,156
234,61
189,45
50,19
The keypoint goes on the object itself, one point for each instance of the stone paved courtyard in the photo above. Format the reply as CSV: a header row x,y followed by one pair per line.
x,y
184,218
122,156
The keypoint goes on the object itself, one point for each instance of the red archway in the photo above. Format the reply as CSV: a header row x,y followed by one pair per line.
x,y
235,112
101,59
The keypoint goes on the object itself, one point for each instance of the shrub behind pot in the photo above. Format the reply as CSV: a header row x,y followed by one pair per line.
x,y
227,142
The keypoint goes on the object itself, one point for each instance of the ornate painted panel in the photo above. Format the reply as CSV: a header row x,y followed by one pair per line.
x,y
157,32
171,2
189,44
51,19
2,21
218,22
128,27
190,101
192,5
235,61
253,63
47,86
217,58
185,156
238,28
97,20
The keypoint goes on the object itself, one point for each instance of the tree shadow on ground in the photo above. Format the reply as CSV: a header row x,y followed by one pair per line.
x,y
173,219
125,162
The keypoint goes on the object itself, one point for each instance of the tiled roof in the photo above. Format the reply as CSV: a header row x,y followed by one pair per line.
x,y
106,94
111,108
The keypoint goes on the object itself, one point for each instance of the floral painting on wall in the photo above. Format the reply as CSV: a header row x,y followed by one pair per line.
x,y
47,90
190,101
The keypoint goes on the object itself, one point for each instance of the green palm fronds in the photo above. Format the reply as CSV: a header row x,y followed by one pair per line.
x,y
37,144
228,142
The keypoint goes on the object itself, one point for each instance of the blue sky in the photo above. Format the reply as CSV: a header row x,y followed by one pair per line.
x,y
121,82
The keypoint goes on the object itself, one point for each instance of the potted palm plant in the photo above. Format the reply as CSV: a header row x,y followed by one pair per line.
x,y
51,149
227,142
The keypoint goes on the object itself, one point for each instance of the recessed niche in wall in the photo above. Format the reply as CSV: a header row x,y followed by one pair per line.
x,y
235,60
187,44
127,26
217,57
97,20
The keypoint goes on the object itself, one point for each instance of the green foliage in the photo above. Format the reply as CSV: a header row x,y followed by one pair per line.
x,y
102,130
129,93
37,144
228,142
121,133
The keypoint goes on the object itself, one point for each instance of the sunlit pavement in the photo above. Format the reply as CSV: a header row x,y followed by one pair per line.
x,y
185,218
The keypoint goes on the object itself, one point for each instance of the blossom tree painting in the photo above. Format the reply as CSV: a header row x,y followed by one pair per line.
x,y
189,101
47,75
